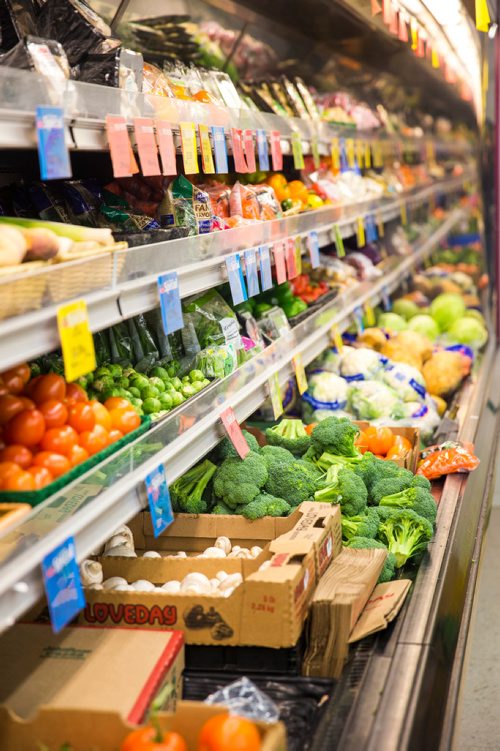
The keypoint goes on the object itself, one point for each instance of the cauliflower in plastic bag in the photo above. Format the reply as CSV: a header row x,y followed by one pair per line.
x,y
329,360
406,380
422,416
371,400
361,364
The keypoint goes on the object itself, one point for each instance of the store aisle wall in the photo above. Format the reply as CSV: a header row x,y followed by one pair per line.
x,y
478,724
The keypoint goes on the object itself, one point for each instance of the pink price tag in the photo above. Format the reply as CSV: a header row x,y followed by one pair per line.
x,y
249,145
119,146
276,155
240,164
146,146
291,259
233,430
165,140
279,262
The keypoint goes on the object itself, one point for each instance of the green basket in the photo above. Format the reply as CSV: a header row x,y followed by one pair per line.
x,y
35,497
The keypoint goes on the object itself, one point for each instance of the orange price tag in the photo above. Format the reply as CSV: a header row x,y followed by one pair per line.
x,y
119,146
146,146
166,146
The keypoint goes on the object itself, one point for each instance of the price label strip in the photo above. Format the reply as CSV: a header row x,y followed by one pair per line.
x,y
338,240
234,432
170,302
146,146
335,153
207,161
360,154
360,232
166,147
368,155
298,254
240,164
160,504
300,374
189,148
63,586
77,343
251,272
313,248
386,300
291,263
315,152
358,320
249,149
220,150
119,146
53,154
236,280
263,151
380,225
275,394
337,339
404,215
369,315
266,276
276,153
349,147
298,156
279,262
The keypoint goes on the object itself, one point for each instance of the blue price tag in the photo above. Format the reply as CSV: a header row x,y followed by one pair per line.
x,y
236,280
63,587
343,156
251,273
358,319
53,153
266,275
170,302
160,504
263,151
313,247
386,300
220,150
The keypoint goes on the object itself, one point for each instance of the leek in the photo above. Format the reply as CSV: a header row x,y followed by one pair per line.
x,y
101,235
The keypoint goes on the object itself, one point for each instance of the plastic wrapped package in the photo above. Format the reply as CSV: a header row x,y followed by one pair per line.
x,y
219,199
43,56
406,380
269,205
361,364
121,68
186,205
212,320
17,20
154,81
244,699
372,400
446,459
243,202
326,395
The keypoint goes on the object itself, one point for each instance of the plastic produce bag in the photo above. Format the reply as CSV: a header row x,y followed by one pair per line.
x,y
217,362
120,344
144,348
243,698
447,459
186,205
102,347
213,321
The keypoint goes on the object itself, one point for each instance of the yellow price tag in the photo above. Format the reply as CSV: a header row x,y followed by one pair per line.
x,y
430,151
298,156
298,255
275,394
360,154
189,148
77,343
207,160
360,232
300,373
380,226
335,153
404,215
434,59
337,339
483,19
349,148
368,155
315,152
369,315
378,158
339,241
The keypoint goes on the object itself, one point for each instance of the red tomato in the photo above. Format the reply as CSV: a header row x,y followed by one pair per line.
x,y
22,371
3,390
50,386
18,454
75,392
115,435
115,402
125,420
55,413
10,406
56,463
101,415
31,385
59,440
6,470
77,455
28,403
41,476
26,428
81,417
19,481
94,440
12,382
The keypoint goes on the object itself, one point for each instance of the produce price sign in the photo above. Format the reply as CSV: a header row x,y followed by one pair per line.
x,y
63,587
368,155
279,262
298,254
291,261
234,432
386,300
220,150
236,280
207,161
369,314
189,148
240,164
146,146
249,147
313,248
358,320
251,272
77,343
315,152
338,240
170,302
360,232
262,151
266,277
298,156
335,153
276,154
337,338
160,504
53,153
404,214
275,394
300,373
166,146
122,156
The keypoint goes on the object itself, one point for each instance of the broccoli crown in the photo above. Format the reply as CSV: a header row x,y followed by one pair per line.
x,y
361,525
405,533
335,435
343,486
387,487
326,460
416,499
389,568
276,456
295,481
225,449
221,509
419,481
264,505
187,492
238,481
371,470
290,435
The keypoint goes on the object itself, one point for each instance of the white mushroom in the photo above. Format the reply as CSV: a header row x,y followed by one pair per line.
x,y
172,588
224,543
91,572
122,588
180,554
122,550
228,592
95,586
215,583
236,549
121,538
230,582
114,581
196,582
264,566
213,552
151,554
221,575
142,585
255,551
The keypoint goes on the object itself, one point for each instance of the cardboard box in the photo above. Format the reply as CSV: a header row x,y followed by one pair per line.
x,y
89,670
410,460
268,609
105,731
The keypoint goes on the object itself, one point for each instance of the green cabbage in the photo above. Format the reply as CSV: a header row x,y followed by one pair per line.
x,y
446,309
405,308
392,322
468,331
425,325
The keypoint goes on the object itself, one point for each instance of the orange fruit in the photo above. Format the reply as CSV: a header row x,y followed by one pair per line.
x,y
229,733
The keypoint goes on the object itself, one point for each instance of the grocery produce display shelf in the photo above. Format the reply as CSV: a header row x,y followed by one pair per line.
x,y
124,283
407,695
92,507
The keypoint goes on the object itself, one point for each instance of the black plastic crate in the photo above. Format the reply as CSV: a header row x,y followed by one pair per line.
x,y
246,660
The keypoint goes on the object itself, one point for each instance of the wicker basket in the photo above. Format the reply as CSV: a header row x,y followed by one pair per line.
x,y
21,288
74,279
